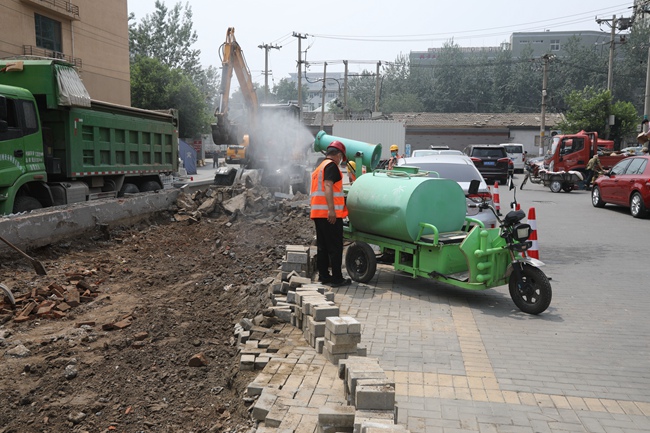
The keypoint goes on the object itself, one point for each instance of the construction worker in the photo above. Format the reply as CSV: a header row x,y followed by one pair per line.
x,y
328,210
392,162
352,171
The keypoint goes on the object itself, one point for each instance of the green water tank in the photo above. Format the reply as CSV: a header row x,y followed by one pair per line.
x,y
393,206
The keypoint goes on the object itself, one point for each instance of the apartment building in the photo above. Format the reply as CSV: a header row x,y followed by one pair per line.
x,y
93,35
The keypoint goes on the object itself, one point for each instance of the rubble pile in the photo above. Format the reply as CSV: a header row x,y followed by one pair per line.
x,y
53,301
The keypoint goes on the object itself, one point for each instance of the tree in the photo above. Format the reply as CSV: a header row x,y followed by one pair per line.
x,y
168,36
589,110
165,70
156,86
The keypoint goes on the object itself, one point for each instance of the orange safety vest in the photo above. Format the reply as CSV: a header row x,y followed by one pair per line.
x,y
318,201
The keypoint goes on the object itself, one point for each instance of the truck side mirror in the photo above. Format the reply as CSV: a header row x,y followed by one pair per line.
x,y
3,108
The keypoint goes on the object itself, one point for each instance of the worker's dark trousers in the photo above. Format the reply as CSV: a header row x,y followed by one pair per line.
x,y
329,242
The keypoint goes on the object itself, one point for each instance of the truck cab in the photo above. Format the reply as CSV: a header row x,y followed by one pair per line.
x,y
573,152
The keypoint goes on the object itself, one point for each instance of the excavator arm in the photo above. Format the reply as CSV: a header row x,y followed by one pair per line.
x,y
232,58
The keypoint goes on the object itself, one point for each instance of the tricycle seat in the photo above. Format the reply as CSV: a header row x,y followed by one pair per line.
x,y
447,238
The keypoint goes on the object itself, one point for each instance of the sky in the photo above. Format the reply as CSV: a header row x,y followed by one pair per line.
x,y
365,32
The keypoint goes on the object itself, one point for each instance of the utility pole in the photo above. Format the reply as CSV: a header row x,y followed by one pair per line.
x,y
542,128
346,109
377,87
322,104
266,48
300,38
611,54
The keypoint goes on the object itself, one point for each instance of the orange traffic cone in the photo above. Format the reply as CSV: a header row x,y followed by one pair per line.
x,y
495,198
533,251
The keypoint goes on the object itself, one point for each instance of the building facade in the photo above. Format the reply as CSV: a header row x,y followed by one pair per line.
x,y
93,35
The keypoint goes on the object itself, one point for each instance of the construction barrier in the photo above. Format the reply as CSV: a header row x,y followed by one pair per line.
x,y
533,251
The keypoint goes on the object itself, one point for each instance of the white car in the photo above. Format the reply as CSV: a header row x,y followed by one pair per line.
x,y
427,152
515,152
461,169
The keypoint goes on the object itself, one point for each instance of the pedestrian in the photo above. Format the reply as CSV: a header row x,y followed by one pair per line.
x,y
328,210
592,165
352,171
392,162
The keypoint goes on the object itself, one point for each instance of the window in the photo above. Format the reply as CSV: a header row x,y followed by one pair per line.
x,y
555,45
637,166
620,167
48,33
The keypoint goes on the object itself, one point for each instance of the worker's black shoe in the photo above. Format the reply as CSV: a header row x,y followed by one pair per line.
x,y
325,280
340,283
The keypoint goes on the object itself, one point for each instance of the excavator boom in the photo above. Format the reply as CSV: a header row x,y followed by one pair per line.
x,y
232,60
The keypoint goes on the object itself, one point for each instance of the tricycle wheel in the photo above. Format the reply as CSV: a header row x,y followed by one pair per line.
x,y
532,294
360,262
556,186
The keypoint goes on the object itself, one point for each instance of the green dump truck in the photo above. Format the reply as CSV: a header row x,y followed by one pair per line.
x,y
57,146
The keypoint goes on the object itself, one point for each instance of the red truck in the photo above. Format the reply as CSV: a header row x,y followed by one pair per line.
x,y
573,152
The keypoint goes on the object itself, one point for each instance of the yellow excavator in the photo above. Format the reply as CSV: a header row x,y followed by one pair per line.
x,y
268,139
232,60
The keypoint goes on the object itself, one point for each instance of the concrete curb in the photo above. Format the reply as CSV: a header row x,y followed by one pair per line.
x,y
44,226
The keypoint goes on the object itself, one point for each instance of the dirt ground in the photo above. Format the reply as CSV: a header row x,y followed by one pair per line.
x,y
176,285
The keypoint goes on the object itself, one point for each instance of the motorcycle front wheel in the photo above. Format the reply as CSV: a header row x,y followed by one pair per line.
x,y
532,292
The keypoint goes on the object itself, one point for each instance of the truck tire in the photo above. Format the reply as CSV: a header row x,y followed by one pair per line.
x,y
150,185
25,203
128,188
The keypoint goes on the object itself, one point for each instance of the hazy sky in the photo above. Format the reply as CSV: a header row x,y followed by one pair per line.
x,y
364,32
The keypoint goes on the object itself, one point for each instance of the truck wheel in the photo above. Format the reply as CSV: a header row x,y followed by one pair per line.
x,y
595,198
637,207
128,188
556,186
150,185
25,203
360,262
532,294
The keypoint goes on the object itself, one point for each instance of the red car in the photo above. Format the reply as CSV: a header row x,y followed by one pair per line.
x,y
626,184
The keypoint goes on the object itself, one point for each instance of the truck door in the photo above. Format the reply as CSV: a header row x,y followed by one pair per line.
x,y
572,154
12,148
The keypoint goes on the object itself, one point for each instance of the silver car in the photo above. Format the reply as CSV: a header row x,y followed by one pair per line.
x,y
461,169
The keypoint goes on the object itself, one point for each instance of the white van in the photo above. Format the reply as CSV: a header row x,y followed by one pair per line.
x,y
515,152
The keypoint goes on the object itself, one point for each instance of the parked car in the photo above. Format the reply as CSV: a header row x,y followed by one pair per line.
x,y
515,152
426,152
625,185
461,169
492,161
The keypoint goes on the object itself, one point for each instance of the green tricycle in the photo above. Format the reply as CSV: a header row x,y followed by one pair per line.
x,y
421,224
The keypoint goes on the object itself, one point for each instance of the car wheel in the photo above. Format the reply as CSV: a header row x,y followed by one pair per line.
x,y
637,207
596,200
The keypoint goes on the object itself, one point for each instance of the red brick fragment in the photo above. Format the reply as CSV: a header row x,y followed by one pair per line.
x,y
198,360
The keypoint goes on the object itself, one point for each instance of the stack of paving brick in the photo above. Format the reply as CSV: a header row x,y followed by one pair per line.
x,y
342,336
371,397
297,259
312,305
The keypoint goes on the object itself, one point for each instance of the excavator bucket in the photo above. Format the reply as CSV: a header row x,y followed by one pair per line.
x,y
222,131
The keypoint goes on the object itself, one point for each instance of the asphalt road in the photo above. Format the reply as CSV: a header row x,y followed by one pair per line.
x,y
468,361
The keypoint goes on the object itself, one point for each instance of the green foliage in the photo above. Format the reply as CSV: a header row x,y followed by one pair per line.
x,y
589,110
156,86
168,36
165,70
